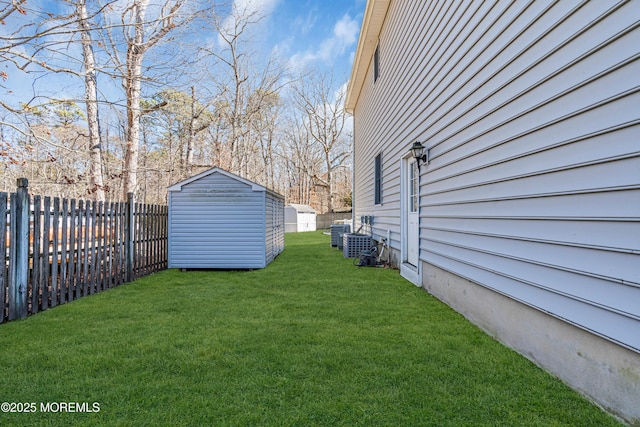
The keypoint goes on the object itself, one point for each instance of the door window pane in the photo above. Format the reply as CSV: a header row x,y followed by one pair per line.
x,y
413,187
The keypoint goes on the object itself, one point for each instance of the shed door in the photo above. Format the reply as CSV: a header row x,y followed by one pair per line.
x,y
305,222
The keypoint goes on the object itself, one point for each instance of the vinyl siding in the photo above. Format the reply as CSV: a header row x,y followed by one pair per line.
x,y
531,112
269,230
274,231
298,218
217,222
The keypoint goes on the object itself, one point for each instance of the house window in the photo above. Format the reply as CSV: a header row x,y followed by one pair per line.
x,y
378,180
376,64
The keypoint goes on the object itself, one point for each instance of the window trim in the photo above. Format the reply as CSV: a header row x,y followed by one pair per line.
x,y
377,180
376,63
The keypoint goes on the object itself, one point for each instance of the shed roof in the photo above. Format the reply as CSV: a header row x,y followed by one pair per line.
x,y
302,208
254,186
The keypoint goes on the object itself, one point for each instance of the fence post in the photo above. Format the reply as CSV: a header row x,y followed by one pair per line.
x,y
20,247
129,234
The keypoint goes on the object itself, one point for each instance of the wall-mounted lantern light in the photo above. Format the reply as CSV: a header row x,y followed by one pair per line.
x,y
419,153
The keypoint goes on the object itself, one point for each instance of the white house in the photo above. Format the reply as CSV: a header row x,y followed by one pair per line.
x,y
524,212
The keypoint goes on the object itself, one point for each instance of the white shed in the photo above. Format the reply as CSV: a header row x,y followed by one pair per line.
x,y
299,218
220,220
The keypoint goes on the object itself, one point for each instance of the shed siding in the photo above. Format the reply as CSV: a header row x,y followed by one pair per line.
x,y
278,220
217,222
299,218
270,229
531,112
275,226
269,232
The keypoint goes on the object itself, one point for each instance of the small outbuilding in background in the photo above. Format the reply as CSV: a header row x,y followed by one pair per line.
x,y
299,218
219,220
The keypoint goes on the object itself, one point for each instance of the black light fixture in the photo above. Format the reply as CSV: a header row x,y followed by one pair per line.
x,y
419,153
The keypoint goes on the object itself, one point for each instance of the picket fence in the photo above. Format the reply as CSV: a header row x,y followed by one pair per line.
x,y
59,250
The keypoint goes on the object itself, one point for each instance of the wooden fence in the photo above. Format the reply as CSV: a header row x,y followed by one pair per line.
x,y
326,220
58,250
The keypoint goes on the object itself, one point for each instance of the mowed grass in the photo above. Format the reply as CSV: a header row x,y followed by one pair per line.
x,y
310,340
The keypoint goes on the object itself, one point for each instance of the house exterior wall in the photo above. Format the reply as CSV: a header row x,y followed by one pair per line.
x,y
217,222
531,114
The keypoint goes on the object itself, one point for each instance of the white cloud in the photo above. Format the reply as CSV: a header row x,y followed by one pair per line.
x,y
256,9
341,93
346,30
261,7
303,25
345,33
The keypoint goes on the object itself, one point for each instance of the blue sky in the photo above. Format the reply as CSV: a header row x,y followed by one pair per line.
x,y
309,34
305,34
321,33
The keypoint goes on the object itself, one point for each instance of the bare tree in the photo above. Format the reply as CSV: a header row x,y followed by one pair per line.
x,y
324,118
301,158
264,126
246,85
134,24
42,45
144,25
181,118
96,180
145,143
7,8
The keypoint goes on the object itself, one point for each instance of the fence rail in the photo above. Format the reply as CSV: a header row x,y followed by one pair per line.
x,y
59,250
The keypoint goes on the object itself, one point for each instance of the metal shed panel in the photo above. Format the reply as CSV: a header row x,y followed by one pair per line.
x,y
274,237
299,218
220,221
217,230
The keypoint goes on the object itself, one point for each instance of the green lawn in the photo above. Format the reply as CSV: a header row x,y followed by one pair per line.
x,y
310,340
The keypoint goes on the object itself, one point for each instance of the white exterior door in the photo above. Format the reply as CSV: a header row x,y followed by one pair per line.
x,y
412,201
410,230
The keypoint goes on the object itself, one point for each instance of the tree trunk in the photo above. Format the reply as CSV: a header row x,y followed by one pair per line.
x,y
191,132
96,180
132,85
329,187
